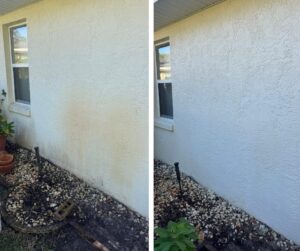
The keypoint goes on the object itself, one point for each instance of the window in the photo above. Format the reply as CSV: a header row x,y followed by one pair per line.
x,y
19,63
163,80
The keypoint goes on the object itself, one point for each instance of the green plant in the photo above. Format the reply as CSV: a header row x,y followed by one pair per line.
x,y
2,99
178,236
6,128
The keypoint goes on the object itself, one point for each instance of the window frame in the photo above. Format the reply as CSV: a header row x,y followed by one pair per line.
x,y
20,65
160,121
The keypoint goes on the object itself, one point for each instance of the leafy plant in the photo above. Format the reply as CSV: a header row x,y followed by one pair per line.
x,y
3,96
6,128
178,236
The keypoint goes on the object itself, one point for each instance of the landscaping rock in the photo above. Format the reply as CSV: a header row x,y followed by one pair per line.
x,y
224,225
37,192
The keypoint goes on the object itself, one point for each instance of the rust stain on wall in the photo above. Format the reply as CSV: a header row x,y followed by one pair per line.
x,y
104,138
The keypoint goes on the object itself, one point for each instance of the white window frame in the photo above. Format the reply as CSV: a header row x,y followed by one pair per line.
x,y
161,121
17,106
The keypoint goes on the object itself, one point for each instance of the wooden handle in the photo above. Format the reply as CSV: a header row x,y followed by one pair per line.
x,y
99,246
96,244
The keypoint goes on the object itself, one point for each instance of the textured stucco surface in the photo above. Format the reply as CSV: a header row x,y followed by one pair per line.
x,y
236,93
89,99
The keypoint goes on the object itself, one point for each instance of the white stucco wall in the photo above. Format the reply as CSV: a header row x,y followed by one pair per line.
x,y
236,93
89,99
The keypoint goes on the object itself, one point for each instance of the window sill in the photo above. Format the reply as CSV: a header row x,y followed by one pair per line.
x,y
22,109
166,124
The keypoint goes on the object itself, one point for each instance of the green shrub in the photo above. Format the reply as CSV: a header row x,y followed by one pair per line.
x,y
6,128
178,236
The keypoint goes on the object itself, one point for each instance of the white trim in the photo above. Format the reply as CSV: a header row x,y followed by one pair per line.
x,y
20,108
160,121
18,24
19,65
164,123
161,41
158,81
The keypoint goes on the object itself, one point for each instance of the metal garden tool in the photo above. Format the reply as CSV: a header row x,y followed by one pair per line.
x,y
63,211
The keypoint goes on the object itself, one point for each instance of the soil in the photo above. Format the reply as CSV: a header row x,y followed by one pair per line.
x,y
225,226
37,192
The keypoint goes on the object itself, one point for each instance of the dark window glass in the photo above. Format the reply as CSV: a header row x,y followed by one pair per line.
x,y
21,80
165,100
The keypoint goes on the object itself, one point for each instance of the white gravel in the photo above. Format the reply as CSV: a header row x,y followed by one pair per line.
x,y
225,226
36,194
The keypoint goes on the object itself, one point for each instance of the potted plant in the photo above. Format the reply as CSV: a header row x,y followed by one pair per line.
x,y
6,128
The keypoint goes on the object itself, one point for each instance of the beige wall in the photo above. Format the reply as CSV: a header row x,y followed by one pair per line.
x,y
89,101
236,94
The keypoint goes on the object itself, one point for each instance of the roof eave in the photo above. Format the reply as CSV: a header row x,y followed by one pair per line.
x,y
7,6
167,12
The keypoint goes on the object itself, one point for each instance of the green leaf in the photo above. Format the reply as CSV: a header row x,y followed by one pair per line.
x,y
177,236
166,246
3,93
172,226
161,232
181,245
189,243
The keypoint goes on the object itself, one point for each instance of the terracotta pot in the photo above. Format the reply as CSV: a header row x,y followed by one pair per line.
x,y
7,168
5,159
2,142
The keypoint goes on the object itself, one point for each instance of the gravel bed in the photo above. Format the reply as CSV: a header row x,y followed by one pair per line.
x,y
225,226
37,193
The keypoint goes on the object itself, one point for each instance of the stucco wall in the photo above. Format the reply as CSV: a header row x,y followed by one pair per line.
x,y
89,100
236,93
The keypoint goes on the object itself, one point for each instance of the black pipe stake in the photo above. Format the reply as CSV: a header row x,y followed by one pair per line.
x,y
28,155
38,159
176,164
